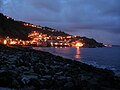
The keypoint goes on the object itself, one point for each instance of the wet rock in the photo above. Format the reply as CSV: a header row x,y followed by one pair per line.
x,y
34,83
69,86
47,77
83,77
9,79
61,78
59,73
26,69
8,73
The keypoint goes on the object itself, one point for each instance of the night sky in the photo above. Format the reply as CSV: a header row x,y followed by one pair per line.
x,y
98,19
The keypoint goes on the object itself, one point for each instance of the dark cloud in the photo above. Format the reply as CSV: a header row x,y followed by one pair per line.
x,y
1,3
54,5
80,16
110,27
94,14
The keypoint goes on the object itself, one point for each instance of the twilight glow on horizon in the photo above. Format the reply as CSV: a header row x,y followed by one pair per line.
x,y
98,19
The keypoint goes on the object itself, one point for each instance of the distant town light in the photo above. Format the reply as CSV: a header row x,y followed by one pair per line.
x,y
56,43
8,17
38,38
5,42
13,42
79,44
69,36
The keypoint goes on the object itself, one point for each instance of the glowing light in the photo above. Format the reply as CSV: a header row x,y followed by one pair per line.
x,y
13,43
58,38
65,44
75,36
61,44
45,39
79,44
69,36
51,43
8,17
5,42
56,43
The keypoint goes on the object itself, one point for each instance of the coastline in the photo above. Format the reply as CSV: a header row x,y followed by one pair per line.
x,y
79,54
28,69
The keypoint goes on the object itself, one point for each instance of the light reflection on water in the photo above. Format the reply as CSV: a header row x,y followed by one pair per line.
x,y
62,51
99,57
77,56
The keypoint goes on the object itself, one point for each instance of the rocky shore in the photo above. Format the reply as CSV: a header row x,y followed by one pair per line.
x,y
27,69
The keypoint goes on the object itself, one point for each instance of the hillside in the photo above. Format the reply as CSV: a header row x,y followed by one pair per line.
x,y
18,29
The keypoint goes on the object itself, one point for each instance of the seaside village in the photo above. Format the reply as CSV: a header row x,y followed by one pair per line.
x,y
44,40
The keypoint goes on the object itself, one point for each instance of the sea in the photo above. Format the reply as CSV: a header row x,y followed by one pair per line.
x,y
106,57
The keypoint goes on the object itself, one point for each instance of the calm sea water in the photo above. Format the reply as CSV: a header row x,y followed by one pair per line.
x,y
107,57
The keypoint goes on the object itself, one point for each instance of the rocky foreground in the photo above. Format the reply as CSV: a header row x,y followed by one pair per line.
x,y
27,69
